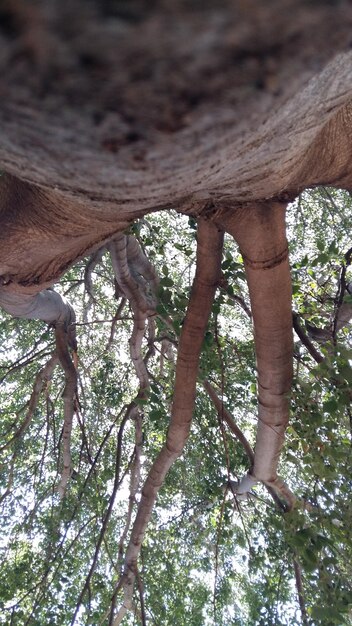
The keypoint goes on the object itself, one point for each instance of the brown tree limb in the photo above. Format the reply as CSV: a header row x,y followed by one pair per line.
x,y
69,397
8,489
228,418
107,515
317,356
259,230
93,261
278,490
137,280
300,591
134,480
113,323
209,251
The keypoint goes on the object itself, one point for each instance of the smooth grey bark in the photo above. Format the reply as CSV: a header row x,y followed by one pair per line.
x,y
48,305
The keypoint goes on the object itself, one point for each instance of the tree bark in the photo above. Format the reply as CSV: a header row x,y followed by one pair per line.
x,y
191,106
261,234
209,254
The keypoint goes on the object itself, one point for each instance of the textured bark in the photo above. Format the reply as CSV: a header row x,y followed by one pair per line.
x,y
209,253
104,119
69,399
260,233
137,280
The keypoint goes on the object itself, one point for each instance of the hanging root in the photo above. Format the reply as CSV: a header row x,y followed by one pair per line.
x,y
209,251
49,306
260,232
137,280
69,397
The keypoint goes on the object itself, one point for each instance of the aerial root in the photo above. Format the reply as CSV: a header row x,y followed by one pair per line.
x,y
209,252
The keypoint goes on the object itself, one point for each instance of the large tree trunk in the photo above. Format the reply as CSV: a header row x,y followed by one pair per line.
x,y
106,116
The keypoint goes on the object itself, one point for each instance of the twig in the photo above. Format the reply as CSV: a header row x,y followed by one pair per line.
x,y
317,356
300,591
41,379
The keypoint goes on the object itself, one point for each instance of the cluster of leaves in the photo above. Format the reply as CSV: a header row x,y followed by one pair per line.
x,y
207,558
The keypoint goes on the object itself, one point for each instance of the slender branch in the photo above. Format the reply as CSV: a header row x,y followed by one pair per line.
x,y
69,398
300,591
117,481
10,480
93,261
134,479
41,379
141,599
317,356
113,323
209,250
226,415
137,280
278,488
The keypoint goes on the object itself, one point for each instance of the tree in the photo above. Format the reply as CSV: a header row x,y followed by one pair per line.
x,y
78,178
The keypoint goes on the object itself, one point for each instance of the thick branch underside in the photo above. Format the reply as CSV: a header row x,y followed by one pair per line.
x,y
95,151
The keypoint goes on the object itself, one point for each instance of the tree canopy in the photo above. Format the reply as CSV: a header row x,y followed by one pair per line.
x,y
209,555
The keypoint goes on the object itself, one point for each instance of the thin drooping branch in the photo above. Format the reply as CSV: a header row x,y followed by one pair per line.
x,y
209,251
49,306
41,379
108,512
305,340
135,473
278,489
280,492
260,232
137,280
300,591
95,258
226,415
113,323
69,397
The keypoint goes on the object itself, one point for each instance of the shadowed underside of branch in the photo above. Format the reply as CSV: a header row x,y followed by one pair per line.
x,y
71,200
209,251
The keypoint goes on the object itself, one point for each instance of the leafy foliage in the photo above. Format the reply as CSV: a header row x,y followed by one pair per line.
x,y
208,558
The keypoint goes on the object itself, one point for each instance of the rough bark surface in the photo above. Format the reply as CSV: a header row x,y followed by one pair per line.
x,y
111,110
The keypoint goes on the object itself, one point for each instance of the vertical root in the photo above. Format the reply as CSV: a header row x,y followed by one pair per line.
x,y
209,252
